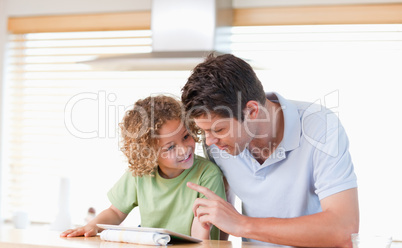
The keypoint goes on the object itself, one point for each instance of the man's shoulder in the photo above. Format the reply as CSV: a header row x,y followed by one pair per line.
x,y
312,109
314,119
315,116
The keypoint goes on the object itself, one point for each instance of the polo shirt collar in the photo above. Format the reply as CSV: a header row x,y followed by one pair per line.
x,y
292,132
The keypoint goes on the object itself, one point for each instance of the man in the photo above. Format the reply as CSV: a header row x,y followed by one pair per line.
x,y
287,161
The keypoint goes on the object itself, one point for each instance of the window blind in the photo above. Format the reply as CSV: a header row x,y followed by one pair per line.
x,y
354,70
62,117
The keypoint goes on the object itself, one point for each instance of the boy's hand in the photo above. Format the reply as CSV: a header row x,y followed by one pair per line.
x,y
87,231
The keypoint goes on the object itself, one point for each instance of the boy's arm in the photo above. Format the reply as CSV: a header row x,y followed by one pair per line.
x,y
111,215
212,179
230,197
229,194
198,231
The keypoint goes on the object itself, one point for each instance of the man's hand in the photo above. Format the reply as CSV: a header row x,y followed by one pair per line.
x,y
215,210
330,228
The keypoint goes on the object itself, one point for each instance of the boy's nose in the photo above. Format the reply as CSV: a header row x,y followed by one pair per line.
x,y
182,151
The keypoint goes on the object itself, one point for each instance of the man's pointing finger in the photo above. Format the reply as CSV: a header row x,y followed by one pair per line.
x,y
205,191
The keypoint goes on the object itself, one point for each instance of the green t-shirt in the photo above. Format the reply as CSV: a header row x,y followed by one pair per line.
x,y
167,203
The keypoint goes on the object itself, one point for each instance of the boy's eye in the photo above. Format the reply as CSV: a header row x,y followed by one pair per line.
x,y
170,148
219,130
186,136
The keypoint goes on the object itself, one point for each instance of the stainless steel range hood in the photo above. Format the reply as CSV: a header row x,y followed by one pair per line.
x,y
183,33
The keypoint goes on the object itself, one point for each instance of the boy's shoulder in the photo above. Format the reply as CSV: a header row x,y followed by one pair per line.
x,y
205,163
202,160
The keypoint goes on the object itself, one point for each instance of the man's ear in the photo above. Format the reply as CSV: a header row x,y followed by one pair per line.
x,y
251,110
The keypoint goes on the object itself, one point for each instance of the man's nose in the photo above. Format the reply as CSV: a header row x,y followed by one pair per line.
x,y
210,139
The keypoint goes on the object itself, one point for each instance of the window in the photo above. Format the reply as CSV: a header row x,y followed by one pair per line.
x,y
61,116
355,71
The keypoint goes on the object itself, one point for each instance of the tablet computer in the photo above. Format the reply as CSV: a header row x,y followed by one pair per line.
x,y
175,236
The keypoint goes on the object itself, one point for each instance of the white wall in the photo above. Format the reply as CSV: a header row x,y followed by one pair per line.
x,y
59,7
55,7
3,30
262,3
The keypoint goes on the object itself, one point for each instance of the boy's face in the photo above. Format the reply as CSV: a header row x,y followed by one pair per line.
x,y
227,134
176,148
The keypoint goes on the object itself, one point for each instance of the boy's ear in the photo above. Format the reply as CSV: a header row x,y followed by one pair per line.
x,y
251,110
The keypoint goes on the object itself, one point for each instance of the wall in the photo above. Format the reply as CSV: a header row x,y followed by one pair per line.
x,y
3,30
261,3
56,7
59,7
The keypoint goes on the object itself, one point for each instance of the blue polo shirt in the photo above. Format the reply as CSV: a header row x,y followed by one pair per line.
x,y
311,162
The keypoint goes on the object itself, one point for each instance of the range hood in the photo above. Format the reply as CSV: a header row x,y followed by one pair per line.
x,y
184,32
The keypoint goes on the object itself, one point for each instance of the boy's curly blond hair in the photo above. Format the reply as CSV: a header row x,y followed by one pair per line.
x,y
140,126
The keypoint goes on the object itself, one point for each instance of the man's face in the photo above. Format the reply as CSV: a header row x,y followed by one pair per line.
x,y
226,133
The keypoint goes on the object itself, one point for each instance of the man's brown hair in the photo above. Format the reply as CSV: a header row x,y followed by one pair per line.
x,y
221,86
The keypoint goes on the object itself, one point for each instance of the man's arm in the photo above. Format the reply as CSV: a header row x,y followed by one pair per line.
x,y
330,228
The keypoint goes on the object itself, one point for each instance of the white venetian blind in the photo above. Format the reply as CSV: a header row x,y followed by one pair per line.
x,y
62,117
356,71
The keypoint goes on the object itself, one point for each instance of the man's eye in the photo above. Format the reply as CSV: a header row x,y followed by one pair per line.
x,y
219,130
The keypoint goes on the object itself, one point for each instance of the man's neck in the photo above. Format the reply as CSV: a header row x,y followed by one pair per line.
x,y
271,132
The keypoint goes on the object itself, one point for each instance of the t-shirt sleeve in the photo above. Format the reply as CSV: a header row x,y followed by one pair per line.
x,y
212,179
123,195
333,167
